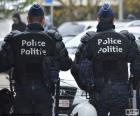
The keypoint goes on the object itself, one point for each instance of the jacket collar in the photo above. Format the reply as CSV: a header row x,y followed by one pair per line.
x,y
34,27
105,26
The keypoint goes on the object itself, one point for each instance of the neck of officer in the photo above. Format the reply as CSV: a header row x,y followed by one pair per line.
x,y
34,27
105,25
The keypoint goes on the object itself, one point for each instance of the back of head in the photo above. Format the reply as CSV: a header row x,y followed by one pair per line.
x,y
105,11
105,18
36,10
35,13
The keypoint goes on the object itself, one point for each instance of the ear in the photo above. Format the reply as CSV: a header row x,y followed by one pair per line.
x,y
28,19
44,21
98,19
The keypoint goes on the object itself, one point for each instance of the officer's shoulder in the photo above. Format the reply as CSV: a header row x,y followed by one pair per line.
x,y
111,34
11,35
54,35
89,35
127,35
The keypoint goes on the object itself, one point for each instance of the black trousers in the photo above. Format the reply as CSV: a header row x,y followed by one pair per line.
x,y
113,97
37,102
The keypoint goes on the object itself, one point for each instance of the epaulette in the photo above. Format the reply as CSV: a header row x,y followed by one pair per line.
x,y
55,35
127,34
11,35
89,35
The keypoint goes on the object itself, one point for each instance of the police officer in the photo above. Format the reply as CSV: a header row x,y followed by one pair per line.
x,y
35,57
109,53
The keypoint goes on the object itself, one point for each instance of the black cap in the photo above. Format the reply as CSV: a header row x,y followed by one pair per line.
x,y
36,10
105,11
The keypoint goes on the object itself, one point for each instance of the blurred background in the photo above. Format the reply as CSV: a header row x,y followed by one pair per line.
x,y
72,19
71,10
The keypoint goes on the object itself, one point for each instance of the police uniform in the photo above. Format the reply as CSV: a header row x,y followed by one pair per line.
x,y
110,52
35,56
82,70
80,62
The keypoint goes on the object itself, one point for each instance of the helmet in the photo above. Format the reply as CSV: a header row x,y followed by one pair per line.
x,y
84,109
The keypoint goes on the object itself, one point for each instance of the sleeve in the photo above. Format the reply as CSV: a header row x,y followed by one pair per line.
x,y
6,57
130,37
62,58
135,70
133,53
76,65
6,52
81,51
135,65
79,57
134,60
